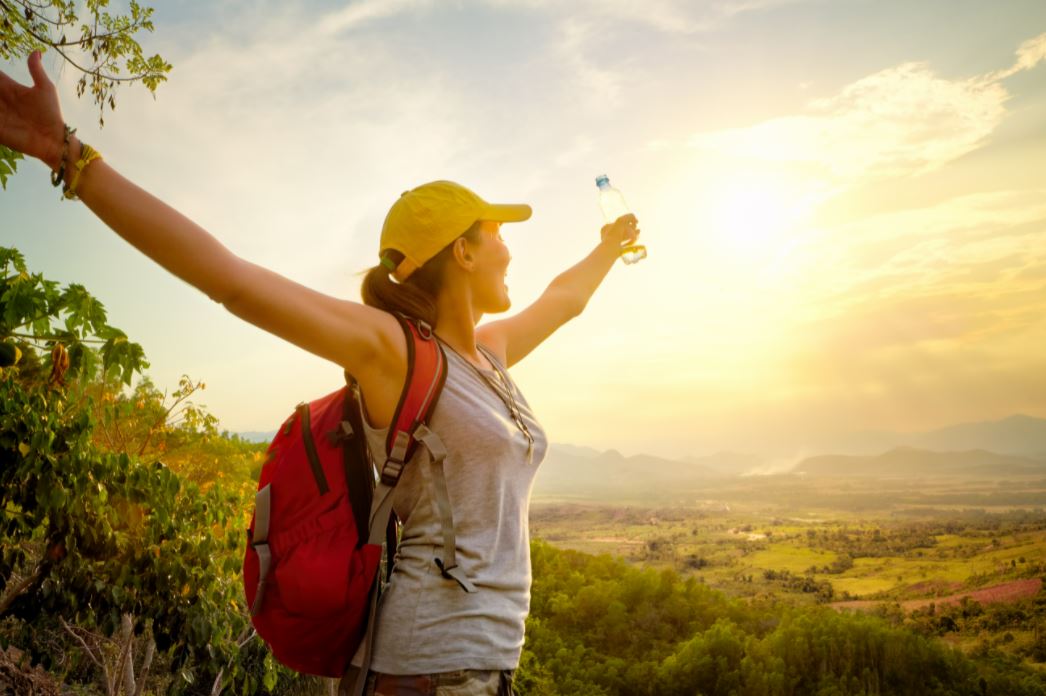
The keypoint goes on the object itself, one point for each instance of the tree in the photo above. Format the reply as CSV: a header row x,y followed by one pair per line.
x,y
106,547
101,46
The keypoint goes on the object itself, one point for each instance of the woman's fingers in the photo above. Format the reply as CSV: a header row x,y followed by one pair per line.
x,y
36,70
628,227
624,230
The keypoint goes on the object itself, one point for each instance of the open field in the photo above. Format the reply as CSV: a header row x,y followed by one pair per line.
x,y
893,548
838,539
915,570
861,557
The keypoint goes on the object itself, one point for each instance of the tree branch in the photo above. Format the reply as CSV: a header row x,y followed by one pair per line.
x,y
21,587
90,653
53,337
126,666
39,14
96,72
83,644
241,641
147,661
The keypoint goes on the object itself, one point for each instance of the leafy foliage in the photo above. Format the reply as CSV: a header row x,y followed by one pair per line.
x,y
8,160
38,314
96,531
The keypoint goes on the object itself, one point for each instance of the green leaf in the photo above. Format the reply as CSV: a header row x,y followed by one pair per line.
x,y
10,256
270,677
8,164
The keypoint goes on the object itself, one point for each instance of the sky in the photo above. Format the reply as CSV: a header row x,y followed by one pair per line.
x,y
843,200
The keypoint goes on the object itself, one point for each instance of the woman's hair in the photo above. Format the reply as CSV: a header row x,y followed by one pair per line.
x,y
416,296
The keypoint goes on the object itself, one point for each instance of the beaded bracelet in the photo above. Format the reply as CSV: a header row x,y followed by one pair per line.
x,y
87,155
57,177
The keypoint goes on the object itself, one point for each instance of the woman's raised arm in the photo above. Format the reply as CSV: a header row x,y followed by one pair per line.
x,y
355,336
514,338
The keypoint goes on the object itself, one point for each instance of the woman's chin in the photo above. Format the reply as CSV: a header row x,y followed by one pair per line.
x,y
494,299
502,304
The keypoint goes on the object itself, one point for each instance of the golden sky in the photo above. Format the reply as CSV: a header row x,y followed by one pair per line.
x,y
843,202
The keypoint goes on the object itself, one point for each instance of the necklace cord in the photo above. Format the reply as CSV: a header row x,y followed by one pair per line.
x,y
500,392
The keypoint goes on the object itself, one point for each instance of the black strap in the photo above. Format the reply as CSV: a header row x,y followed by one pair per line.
x,y
359,474
391,544
416,333
310,449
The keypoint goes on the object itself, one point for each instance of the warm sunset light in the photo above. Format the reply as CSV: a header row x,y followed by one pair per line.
x,y
757,217
798,448
844,223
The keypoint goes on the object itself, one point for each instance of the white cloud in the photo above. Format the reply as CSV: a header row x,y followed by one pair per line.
x,y
1029,54
598,88
904,120
357,13
670,16
956,252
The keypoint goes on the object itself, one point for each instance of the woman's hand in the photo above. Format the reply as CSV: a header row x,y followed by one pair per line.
x,y
31,117
621,232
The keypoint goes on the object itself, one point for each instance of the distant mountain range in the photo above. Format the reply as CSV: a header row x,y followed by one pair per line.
x,y
1018,435
609,476
258,435
908,462
1012,447
568,473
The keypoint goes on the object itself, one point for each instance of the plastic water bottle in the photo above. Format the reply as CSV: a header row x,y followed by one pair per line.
x,y
613,205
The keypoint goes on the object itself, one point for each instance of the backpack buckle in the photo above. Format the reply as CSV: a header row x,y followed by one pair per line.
x,y
390,472
340,434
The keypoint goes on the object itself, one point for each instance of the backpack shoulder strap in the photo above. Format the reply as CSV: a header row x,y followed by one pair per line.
x,y
426,375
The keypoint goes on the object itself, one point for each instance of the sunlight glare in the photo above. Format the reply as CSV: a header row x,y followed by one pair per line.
x,y
756,217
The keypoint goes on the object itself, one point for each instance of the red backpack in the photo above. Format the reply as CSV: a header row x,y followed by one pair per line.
x,y
323,510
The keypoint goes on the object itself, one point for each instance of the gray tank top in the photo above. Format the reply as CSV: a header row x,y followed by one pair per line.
x,y
426,622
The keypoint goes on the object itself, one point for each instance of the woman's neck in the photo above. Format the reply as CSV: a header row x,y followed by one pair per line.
x,y
456,325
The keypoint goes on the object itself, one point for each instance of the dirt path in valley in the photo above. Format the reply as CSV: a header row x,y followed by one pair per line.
x,y
1005,592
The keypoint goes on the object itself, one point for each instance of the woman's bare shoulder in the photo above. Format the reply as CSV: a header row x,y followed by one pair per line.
x,y
381,378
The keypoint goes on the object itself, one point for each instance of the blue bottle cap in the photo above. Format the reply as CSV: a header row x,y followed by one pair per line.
x,y
602,180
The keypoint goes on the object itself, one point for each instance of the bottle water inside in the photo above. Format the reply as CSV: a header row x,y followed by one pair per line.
x,y
613,205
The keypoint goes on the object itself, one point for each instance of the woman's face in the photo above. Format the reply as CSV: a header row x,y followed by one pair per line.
x,y
491,258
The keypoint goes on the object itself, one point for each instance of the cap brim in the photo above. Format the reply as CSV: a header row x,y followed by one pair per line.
x,y
507,212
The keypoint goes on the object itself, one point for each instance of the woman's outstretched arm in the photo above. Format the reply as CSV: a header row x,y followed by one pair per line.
x,y
564,298
347,333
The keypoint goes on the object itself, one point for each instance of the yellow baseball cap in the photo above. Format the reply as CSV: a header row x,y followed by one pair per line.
x,y
426,219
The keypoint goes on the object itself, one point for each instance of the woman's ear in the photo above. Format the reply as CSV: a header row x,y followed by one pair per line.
x,y
463,254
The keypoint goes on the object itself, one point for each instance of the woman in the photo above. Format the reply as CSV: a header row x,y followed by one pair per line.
x,y
443,248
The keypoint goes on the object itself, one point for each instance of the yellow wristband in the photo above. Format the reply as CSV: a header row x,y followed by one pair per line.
x,y
87,155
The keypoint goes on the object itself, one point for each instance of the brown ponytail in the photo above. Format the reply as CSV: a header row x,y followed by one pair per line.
x,y
416,296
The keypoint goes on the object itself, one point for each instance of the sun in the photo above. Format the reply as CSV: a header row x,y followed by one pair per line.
x,y
756,216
